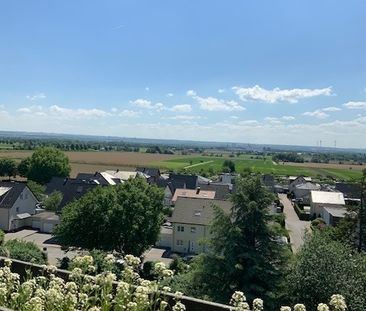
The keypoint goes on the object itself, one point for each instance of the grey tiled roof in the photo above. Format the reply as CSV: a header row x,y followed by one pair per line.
x,y
8,199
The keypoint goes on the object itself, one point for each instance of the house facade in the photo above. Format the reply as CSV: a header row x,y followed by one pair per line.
x,y
190,220
319,200
17,204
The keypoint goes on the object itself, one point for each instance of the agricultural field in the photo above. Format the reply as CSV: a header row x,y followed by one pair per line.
x,y
92,161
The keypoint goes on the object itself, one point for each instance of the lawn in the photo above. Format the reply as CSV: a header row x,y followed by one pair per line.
x,y
265,166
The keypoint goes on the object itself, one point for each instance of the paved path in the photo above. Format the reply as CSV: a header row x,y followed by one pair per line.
x,y
294,225
198,164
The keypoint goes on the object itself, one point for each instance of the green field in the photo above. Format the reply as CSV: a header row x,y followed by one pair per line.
x,y
265,166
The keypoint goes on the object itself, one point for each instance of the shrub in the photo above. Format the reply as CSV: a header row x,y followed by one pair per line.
x,y
25,251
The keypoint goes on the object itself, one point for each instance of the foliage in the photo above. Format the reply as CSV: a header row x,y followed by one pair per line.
x,y
288,157
23,167
23,250
85,290
8,167
125,217
53,201
324,266
229,165
2,237
37,189
47,162
243,253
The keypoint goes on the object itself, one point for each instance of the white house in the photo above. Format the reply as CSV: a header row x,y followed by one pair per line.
x,y
17,204
319,200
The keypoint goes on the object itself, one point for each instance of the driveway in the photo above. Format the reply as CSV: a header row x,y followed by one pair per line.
x,y
157,254
294,225
44,241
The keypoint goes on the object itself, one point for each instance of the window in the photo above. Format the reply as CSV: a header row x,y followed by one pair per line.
x,y
180,242
193,229
25,196
21,196
180,229
17,209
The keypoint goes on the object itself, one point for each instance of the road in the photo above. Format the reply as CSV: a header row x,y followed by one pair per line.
x,y
294,225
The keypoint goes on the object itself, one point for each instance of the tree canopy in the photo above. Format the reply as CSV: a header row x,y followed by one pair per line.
x,y
8,167
228,166
47,162
244,253
125,217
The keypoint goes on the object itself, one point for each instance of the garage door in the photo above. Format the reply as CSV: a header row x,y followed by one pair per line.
x,y
47,227
36,224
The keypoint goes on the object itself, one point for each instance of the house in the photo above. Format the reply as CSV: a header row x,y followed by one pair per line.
x,y
332,215
17,203
323,199
44,221
302,191
191,219
190,181
70,188
193,193
115,177
269,182
169,189
293,181
351,191
222,191
152,174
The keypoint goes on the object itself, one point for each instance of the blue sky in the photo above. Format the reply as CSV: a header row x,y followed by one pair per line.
x,y
282,72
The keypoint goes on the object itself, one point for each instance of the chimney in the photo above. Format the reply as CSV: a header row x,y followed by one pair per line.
x,y
198,190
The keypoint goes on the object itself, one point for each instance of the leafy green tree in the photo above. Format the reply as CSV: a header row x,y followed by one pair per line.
x,y
125,218
324,267
23,250
52,203
37,189
244,253
47,162
228,166
23,167
8,167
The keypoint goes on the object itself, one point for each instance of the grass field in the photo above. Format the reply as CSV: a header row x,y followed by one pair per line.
x,y
92,161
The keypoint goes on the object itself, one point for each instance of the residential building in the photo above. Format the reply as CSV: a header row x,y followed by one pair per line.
x,y
191,219
190,181
323,199
193,193
17,203
302,191
222,191
332,215
296,180
269,182
351,191
152,174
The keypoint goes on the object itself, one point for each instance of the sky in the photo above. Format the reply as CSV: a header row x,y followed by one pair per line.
x,y
262,71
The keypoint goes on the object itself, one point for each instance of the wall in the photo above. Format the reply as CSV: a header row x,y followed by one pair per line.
x,y
191,240
4,219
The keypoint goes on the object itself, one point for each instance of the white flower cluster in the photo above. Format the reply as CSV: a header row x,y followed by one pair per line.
x,y
83,292
161,271
338,303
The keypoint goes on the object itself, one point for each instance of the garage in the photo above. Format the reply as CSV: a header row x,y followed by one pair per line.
x,y
45,221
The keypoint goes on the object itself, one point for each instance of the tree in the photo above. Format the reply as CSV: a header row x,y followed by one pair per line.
x,y
23,167
125,218
47,162
323,267
52,203
229,166
23,250
37,189
8,167
244,253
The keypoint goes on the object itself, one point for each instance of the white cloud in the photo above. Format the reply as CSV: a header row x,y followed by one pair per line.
x,y
169,95
142,103
221,91
355,105
62,112
36,96
181,108
128,113
215,104
275,95
319,114
185,117
234,117
331,109
147,89
191,93
288,118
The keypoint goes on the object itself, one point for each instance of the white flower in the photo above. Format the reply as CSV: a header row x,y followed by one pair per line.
x,y
338,303
179,307
299,307
322,307
237,297
7,262
257,304
178,295
132,260
285,308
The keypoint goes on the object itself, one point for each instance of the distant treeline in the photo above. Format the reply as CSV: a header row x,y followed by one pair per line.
x,y
340,158
288,157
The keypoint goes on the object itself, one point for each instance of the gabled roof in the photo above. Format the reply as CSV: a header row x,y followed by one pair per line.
x,y
268,180
190,180
327,197
308,186
349,190
197,211
10,192
293,178
150,171
193,193
222,191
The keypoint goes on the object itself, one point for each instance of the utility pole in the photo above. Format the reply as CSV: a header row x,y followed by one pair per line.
x,y
362,222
